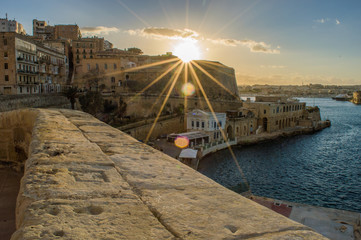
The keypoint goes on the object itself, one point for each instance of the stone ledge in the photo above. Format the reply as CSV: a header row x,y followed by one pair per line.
x,y
86,180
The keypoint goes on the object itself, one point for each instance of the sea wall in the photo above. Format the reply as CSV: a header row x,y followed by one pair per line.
x,y
86,180
12,102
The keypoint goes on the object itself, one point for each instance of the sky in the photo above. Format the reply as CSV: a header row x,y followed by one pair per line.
x,y
276,42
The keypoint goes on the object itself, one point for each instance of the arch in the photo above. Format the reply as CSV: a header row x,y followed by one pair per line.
x,y
230,133
265,123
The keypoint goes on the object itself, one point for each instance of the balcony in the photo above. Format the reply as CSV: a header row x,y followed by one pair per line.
x,y
20,59
27,72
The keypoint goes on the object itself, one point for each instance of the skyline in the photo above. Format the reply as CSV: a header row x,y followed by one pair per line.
x,y
266,42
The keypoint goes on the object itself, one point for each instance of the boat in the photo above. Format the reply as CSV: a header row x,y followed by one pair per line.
x,y
342,97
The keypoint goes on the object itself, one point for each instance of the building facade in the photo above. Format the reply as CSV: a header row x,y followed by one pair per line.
x,y
275,114
70,32
42,30
241,123
29,67
7,25
207,122
86,48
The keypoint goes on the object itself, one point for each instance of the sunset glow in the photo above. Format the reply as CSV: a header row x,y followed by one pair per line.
x,y
187,51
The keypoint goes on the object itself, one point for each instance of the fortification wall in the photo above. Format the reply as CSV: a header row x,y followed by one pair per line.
x,y
173,125
12,102
148,106
86,180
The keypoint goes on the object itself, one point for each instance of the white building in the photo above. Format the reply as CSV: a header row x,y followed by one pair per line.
x,y
7,25
198,120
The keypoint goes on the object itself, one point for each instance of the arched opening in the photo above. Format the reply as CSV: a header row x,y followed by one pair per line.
x,y
230,133
265,124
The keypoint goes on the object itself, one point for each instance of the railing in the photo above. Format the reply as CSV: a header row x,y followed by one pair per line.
x,y
27,60
27,71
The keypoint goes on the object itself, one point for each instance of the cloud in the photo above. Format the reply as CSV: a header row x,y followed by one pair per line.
x,y
251,44
325,20
322,20
169,33
100,30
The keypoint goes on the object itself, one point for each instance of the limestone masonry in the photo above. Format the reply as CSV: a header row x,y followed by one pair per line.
x,y
86,180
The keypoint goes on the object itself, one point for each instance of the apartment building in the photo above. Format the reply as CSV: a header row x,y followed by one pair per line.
x,y
29,67
7,25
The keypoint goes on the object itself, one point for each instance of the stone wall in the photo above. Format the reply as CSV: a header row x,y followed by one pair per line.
x,y
15,131
12,102
173,125
145,106
86,180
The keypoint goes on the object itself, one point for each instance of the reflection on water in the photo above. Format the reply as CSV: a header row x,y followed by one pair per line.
x,y
321,169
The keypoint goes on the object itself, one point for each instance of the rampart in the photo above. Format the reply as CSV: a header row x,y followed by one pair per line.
x,y
86,180
12,102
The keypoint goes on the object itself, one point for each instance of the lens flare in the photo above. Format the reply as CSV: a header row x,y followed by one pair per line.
x,y
188,89
181,142
187,51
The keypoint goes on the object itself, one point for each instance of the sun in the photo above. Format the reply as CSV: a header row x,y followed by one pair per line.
x,y
187,51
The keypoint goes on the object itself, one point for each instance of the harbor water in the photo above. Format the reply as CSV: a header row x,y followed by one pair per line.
x,y
321,169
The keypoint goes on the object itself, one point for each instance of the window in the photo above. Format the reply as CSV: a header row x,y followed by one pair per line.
x,y
220,124
21,90
192,123
197,124
88,66
6,65
278,109
84,56
5,54
115,66
113,79
6,78
215,136
202,124
5,42
264,111
105,66
96,66
214,125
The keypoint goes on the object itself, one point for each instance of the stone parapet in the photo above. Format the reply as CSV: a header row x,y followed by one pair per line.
x,y
12,102
86,180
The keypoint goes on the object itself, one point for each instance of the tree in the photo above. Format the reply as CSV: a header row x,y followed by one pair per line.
x,y
71,93
135,51
122,108
92,102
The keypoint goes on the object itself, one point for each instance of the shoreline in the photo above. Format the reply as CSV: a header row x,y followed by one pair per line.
x,y
330,222
264,137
